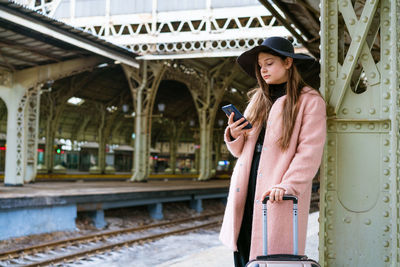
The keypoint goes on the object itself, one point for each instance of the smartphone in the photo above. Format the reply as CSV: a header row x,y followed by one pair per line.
x,y
228,109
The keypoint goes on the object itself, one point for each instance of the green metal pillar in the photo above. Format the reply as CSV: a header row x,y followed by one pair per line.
x,y
144,85
359,211
207,89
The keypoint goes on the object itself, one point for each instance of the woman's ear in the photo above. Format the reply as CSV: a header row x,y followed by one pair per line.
x,y
288,62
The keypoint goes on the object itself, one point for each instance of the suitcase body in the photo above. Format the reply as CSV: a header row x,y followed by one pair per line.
x,y
282,260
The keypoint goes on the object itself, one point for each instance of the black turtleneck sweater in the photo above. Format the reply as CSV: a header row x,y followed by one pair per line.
x,y
244,239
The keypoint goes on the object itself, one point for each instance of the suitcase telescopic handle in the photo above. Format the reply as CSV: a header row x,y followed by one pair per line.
x,y
295,222
285,197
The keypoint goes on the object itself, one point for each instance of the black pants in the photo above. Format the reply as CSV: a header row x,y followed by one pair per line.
x,y
239,260
241,257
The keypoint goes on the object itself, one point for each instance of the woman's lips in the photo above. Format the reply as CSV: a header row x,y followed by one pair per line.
x,y
266,76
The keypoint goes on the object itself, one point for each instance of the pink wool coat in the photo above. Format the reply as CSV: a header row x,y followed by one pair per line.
x,y
292,170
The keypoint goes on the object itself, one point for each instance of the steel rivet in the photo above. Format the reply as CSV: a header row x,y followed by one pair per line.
x,y
358,110
351,58
386,159
386,186
386,199
372,75
367,222
387,81
330,227
365,19
344,126
364,56
358,38
329,198
386,172
352,21
372,111
330,185
345,111
330,172
371,126
386,9
331,143
329,241
344,76
331,127
331,159
347,220
386,23
387,51
386,125
331,55
387,95
344,3
387,142
386,213
358,126
386,228
387,259
331,82
332,26
331,68
331,13
387,37
387,66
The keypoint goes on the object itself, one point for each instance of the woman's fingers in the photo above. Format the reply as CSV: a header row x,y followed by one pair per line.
x,y
275,194
265,194
230,120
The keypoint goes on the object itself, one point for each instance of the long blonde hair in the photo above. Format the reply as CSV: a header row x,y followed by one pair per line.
x,y
260,102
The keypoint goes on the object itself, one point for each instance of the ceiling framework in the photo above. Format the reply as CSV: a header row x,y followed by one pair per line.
x,y
185,30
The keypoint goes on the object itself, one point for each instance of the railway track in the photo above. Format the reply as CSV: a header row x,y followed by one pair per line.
x,y
74,249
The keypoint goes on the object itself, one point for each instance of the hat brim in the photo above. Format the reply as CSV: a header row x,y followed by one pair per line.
x,y
247,59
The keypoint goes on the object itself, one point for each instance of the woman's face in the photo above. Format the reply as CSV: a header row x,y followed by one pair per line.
x,y
273,69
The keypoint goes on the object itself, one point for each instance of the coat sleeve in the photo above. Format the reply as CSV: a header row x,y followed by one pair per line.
x,y
234,146
308,155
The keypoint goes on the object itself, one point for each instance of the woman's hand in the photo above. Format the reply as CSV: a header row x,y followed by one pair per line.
x,y
275,194
236,128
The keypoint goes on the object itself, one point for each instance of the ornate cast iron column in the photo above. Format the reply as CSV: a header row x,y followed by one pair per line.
x,y
144,85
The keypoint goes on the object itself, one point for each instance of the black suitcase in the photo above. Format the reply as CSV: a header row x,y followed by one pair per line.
x,y
282,260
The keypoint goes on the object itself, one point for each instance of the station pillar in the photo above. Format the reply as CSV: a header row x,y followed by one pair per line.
x,y
144,85
14,163
207,90
31,134
359,210
207,106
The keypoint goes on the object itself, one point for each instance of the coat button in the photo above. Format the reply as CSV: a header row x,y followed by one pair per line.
x,y
237,189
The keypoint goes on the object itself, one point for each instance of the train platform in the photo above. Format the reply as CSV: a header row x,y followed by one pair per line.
x,y
53,206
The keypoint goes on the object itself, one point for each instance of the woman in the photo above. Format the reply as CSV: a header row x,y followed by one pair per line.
x,y
279,155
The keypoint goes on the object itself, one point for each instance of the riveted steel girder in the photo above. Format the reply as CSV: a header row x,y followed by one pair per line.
x,y
359,215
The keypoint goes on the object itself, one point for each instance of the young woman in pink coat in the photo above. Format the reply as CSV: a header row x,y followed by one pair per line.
x,y
279,155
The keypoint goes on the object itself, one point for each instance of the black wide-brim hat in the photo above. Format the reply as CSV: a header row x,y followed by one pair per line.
x,y
277,45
